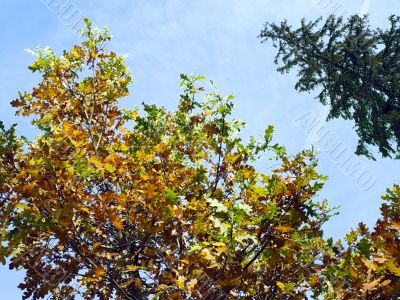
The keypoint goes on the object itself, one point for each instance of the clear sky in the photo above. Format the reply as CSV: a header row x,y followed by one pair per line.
x,y
218,39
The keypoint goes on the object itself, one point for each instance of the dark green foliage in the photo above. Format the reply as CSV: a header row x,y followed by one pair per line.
x,y
355,68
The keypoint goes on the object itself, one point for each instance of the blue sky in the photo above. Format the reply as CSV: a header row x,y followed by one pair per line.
x,y
215,38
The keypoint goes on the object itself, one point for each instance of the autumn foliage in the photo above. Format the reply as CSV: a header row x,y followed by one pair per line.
x,y
109,203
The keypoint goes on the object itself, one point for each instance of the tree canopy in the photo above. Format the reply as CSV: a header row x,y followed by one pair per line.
x,y
107,203
355,69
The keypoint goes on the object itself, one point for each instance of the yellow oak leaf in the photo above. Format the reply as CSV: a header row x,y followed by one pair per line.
x,y
208,256
99,271
180,282
191,285
284,229
280,285
132,268
369,264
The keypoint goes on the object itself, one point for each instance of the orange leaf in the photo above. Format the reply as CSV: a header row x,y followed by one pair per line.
x,y
17,103
99,271
116,221
96,245
371,285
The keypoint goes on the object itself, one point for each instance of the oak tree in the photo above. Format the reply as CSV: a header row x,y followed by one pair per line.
x,y
130,204
369,266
